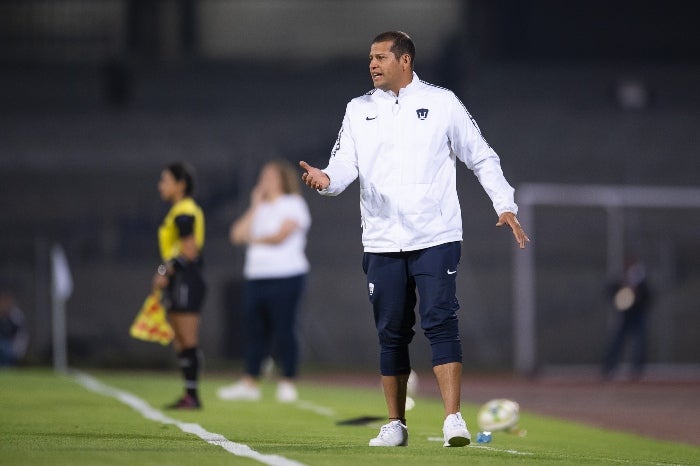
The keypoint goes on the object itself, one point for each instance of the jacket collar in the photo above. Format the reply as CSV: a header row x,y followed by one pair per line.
x,y
410,88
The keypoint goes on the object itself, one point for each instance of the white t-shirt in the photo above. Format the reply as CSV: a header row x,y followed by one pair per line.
x,y
287,258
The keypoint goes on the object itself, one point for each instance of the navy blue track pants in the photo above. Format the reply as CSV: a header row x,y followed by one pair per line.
x,y
392,282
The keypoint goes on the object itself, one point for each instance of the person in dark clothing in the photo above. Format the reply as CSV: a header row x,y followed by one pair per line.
x,y
13,329
631,300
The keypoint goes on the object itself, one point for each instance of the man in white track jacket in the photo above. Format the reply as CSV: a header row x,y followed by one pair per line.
x,y
402,139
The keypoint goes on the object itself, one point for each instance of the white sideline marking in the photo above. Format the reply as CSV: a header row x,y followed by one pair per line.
x,y
516,452
512,452
484,447
153,414
309,406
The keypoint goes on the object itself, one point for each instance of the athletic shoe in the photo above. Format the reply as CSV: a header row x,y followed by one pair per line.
x,y
393,434
186,402
240,391
455,431
286,392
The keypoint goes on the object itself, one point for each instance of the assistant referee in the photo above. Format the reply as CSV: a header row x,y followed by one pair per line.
x,y
181,239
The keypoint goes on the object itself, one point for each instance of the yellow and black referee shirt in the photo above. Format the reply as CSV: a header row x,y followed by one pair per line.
x,y
184,219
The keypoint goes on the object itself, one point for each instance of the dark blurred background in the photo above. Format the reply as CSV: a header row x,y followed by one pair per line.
x,y
96,96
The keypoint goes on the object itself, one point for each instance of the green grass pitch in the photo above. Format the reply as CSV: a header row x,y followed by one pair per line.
x,y
50,419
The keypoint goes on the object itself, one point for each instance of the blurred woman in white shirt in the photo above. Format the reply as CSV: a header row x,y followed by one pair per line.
x,y
273,229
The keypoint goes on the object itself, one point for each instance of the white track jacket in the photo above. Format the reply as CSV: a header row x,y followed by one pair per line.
x,y
404,151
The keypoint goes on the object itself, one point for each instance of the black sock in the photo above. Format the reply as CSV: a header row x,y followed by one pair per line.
x,y
189,364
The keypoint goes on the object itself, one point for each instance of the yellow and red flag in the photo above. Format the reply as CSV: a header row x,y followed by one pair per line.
x,y
150,323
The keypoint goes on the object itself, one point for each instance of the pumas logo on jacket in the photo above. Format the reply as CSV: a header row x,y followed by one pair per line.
x,y
422,113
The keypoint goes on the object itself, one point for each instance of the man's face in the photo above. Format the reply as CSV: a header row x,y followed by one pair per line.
x,y
385,69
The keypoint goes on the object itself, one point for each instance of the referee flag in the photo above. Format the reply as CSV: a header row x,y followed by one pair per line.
x,y
150,323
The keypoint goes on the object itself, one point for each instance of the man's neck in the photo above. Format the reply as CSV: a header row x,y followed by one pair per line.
x,y
403,85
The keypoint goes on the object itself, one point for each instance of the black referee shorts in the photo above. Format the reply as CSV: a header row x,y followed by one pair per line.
x,y
186,289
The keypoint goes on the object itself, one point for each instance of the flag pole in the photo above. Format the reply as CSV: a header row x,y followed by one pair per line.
x,y
61,289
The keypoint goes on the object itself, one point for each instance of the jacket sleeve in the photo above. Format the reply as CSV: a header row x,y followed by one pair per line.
x,y
342,166
472,149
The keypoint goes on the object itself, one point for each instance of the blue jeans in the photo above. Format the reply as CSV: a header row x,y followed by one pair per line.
x,y
271,309
392,281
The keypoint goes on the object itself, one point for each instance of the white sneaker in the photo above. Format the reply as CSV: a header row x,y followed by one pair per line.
x,y
393,434
455,431
239,391
286,392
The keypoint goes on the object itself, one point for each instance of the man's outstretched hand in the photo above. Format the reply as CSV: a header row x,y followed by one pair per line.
x,y
313,177
509,218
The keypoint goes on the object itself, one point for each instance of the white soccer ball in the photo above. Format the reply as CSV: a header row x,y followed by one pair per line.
x,y
412,385
411,390
410,403
498,414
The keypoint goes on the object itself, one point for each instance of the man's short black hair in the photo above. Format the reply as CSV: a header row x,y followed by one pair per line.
x,y
402,44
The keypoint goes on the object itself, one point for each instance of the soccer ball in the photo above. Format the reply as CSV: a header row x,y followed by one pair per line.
x,y
410,403
412,385
411,390
498,414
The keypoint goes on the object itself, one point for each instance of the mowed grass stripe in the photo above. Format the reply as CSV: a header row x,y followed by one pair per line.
x,y
51,420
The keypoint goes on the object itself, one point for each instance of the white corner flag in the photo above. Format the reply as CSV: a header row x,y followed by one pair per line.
x,y
61,290
61,279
